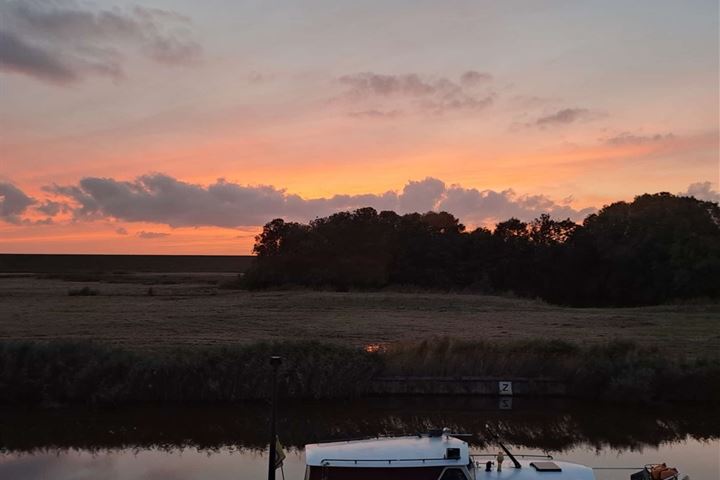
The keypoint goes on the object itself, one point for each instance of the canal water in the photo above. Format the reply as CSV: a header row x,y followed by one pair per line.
x,y
228,441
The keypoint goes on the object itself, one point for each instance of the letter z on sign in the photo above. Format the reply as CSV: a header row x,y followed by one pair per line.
x,y
505,388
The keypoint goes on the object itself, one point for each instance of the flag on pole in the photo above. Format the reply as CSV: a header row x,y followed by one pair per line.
x,y
279,454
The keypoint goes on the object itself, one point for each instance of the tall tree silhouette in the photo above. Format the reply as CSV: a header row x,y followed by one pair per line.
x,y
655,249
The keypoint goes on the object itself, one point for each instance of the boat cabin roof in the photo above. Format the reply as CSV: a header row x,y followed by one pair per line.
x,y
566,471
410,451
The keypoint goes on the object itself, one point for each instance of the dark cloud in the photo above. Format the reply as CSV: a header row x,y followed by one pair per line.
x,y
472,78
627,138
151,235
51,208
86,205
19,57
165,200
13,203
563,117
702,191
369,84
64,42
417,93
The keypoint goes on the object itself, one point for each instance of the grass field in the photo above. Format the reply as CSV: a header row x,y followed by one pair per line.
x,y
194,309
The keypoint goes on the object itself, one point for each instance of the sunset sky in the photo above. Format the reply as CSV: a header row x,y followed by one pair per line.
x,y
183,126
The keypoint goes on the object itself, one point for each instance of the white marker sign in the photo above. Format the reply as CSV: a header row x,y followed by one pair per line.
x,y
505,388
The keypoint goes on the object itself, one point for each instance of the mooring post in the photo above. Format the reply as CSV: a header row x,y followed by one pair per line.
x,y
275,363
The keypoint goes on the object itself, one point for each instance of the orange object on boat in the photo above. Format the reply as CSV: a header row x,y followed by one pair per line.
x,y
663,472
668,473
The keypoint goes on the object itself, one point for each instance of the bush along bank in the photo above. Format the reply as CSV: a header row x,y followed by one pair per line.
x,y
61,373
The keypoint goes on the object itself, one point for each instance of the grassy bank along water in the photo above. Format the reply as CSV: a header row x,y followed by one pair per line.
x,y
53,373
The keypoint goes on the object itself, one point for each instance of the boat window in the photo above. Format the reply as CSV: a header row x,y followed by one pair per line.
x,y
453,474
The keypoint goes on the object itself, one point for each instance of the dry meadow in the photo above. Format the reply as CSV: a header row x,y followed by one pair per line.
x,y
155,311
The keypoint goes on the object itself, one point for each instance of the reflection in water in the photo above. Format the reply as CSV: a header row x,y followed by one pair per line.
x,y
226,442
698,459
143,465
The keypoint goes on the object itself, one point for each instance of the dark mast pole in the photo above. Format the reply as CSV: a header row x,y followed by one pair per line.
x,y
275,362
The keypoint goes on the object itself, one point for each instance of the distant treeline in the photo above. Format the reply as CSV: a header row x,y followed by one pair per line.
x,y
68,264
656,249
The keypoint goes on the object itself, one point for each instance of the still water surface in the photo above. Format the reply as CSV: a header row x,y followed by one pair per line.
x,y
227,442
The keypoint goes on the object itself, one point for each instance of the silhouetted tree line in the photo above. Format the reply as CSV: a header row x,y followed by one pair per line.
x,y
655,249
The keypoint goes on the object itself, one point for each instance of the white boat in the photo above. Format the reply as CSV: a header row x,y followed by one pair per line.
x,y
441,455
435,456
